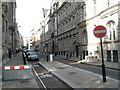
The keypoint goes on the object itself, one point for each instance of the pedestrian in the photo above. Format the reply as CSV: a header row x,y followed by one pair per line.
x,y
24,58
66,54
9,53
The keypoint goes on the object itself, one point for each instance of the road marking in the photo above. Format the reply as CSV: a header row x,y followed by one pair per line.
x,y
46,75
39,79
36,65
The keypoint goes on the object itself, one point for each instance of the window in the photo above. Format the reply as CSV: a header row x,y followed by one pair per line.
x,y
85,39
111,30
3,25
108,55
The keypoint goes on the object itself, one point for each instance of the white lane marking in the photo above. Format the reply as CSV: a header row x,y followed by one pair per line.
x,y
40,79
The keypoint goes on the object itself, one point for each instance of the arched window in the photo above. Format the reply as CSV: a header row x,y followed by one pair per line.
x,y
84,37
111,33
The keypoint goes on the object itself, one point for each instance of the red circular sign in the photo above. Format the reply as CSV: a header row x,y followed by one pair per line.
x,y
100,31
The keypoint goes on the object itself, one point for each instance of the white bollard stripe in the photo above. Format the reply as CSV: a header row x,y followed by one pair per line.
x,y
6,68
26,67
100,31
17,67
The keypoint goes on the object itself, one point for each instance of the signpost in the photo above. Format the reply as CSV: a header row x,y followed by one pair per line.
x,y
100,32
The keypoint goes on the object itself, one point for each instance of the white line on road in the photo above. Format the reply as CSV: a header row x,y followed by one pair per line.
x,y
40,79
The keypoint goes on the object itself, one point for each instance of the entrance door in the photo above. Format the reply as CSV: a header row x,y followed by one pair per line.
x,y
115,56
108,55
77,51
83,54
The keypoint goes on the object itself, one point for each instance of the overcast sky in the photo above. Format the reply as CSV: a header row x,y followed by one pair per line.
x,y
29,13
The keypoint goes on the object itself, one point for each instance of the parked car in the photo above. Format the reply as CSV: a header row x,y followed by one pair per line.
x,y
32,56
28,51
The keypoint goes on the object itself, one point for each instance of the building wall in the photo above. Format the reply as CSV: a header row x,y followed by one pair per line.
x,y
119,29
0,34
70,15
71,26
5,31
103,17
8,28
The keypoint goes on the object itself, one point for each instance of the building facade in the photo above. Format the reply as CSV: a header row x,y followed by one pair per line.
x,y
119,29
71,25
11,38
107,15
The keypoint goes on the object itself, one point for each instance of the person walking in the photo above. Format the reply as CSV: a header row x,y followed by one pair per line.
x,y
24,58
67,54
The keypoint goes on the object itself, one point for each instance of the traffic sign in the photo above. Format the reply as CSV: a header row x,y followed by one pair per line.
x,y
100,31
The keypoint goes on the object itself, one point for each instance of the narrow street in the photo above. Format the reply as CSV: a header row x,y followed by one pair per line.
x,y
57,44
46,79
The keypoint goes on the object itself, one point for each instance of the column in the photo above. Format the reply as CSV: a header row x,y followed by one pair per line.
x,y
0,43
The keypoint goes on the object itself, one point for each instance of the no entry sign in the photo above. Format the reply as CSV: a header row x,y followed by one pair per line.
x,y
100,31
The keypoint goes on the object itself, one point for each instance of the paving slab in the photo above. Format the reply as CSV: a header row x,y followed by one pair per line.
x,y
25,83
16,78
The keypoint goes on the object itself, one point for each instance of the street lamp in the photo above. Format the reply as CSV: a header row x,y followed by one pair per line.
x,y
46,50
12,28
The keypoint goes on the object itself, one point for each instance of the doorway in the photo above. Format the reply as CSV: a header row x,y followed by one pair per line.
x,y
108,55
115,56
77,51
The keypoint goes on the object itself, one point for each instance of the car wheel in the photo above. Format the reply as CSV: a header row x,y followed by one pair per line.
x,y
37,59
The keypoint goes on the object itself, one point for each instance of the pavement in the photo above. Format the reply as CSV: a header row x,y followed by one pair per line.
x,y
18,78
78,78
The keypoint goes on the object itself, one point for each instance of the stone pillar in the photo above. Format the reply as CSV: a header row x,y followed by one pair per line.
x,y
119,31
0,43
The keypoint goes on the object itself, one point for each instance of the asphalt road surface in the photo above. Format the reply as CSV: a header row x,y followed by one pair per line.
x,y
45,79
109,72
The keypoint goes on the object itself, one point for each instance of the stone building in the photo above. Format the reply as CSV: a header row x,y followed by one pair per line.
x,y
107,15
71,24
0,33
8,29
74,22
65,18
119,29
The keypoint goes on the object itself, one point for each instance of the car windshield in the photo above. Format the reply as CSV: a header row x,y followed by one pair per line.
x,y
32,54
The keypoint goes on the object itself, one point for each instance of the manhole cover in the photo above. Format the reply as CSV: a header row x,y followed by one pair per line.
x,y
60,67
72,72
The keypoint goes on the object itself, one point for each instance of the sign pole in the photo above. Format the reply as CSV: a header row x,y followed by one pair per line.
x,y
103,65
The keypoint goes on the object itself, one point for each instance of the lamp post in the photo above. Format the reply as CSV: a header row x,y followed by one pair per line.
x,y
46,51
12,28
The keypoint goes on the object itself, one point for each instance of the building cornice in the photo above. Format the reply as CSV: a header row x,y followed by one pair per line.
x,y
102,12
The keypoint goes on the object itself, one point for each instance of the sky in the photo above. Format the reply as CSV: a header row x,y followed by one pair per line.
x,y
29,14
